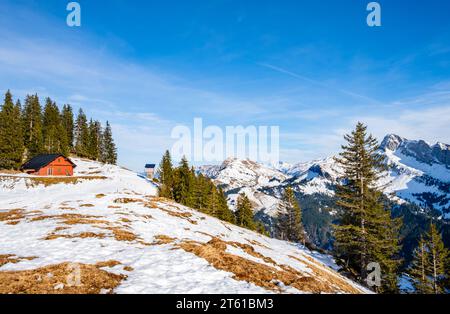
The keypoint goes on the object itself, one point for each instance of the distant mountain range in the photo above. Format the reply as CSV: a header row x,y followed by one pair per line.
x,y
418,181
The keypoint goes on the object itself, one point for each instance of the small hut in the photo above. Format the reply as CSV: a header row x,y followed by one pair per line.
x,y
150,170
49,165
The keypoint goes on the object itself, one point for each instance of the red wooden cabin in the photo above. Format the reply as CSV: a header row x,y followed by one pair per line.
x,y
49,165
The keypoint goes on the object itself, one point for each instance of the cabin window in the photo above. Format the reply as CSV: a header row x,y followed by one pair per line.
x,y
50,171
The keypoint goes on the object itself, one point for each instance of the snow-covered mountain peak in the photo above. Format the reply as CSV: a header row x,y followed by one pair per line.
x,y
419,173
236,173
391,142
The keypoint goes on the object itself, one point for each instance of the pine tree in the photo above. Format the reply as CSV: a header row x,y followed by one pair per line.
x,y
81,135
225,213
11,135
32,126
420,267
55,137
182,187
68,125
290,219
244,213
260,228
430,263
165,174
95,140
109,150
365,232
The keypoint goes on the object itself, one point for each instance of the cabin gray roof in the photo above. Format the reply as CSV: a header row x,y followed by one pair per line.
x,y
41,161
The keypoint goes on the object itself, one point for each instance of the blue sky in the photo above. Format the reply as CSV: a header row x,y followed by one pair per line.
x,y
313,68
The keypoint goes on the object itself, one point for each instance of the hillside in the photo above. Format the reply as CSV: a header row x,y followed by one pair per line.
x,y
107,225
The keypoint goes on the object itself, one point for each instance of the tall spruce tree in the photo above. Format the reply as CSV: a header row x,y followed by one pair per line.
x,y
67,121
32,126
165,174
81,135
11,135
225,213
419,269
430,263
183,183
366,233
290,218
55,137
109,150
244,213
95,140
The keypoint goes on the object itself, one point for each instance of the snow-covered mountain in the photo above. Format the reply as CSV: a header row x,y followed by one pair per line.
x,y
106,231
418,173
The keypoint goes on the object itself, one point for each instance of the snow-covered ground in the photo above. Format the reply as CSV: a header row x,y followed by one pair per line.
x,y
109,213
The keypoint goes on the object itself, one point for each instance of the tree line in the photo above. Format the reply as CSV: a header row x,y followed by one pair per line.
x,y
183,185
29,130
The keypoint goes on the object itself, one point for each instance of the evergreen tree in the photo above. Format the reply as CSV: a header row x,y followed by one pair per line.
x,y
244,213
81,135
200,193
290,219
68,125
55,137
366,232
165,174
260,228
95,140
109,150
11,135
182,187
430,262
419,269
225,213
32,126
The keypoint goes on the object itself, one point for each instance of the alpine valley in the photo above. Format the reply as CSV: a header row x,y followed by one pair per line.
x,y
416,186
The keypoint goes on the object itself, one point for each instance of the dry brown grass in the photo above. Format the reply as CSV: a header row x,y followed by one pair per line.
x,y
150,205
48,181
9,171
101,195
127,200
37,281
87,205
110,263
329,275
13,216
259,274
162,239
128,268
11,258
254,242
67,208
82,235
74,219
121,234
184,215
